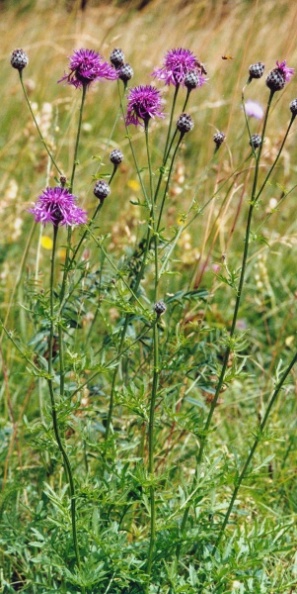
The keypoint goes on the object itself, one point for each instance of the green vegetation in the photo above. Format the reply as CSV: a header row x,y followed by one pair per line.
x,y
149,453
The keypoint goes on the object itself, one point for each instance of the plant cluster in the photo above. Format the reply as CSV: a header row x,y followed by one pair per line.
x,y
139,479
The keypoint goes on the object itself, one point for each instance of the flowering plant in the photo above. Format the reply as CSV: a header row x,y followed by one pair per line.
x,y
139,334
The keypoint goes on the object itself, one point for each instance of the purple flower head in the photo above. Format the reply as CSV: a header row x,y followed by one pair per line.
x,y
144,103
177,64
285,70
87,66
58,206
253,109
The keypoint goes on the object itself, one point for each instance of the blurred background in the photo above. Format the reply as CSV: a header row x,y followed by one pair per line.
x,y
226,36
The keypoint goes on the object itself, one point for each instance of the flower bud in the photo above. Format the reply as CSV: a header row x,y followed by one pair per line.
x,y
275,80
191,80
117,58
126,73
160,308
256,70
19,59
293,107
218,139
184,123
255,141
101,189
116,157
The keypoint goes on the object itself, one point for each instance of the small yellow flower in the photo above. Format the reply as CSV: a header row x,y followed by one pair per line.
x,y
46,242
133,184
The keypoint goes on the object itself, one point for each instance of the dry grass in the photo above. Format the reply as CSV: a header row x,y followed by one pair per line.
x,y
247,31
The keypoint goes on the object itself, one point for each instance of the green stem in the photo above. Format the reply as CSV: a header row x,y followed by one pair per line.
x,y
133,152
151,443
168,146
254,446
156,372
134,286
166,150
149,163
168,182
114,378
83,97
37,126
69,233
19,277
65,458
239,290
204,435
276,159
84,235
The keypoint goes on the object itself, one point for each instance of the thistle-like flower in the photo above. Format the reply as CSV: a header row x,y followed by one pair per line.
x,y
58,206
177,64
144,103
19,59
87,66
279,76
285,70
253,109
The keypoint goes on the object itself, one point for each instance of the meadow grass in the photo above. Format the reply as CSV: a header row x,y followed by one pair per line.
x,y
147,453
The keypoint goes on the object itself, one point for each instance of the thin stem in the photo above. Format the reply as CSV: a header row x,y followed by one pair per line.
x,y
19,276
254,446
151,440
37,126
65,458
134,286
166,151
156,372
204,434
258,156
239,290
69,233
276,159
84,235
84,92
133,153
168,146
149,163
168,182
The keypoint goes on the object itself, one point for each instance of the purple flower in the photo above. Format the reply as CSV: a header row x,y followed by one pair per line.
x,y
58,206
144,103
177,64
253,109
285,70
87,66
